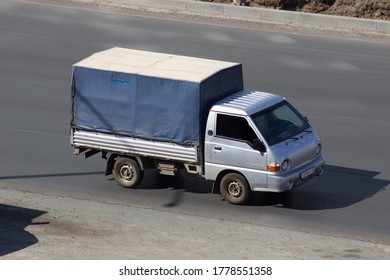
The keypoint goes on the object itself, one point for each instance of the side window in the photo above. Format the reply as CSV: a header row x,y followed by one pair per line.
x,y
235,128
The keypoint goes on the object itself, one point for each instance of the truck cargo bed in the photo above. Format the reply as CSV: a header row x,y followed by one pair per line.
x,y
147,95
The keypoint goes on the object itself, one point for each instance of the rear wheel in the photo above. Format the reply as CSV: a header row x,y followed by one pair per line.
x,y
127,173
234,188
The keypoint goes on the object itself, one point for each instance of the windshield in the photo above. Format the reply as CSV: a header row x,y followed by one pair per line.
x,y
279,122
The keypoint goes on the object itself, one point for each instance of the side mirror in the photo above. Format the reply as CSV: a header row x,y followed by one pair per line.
x,y
259,145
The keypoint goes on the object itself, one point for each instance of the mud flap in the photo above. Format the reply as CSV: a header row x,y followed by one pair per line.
x,y
110,164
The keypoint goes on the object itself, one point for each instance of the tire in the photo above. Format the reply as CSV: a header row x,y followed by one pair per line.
x,y
235,189
127,173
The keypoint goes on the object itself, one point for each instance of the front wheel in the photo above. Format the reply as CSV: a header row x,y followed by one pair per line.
x,y
234,188
127,173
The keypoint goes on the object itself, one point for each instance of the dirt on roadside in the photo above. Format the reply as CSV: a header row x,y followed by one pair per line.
x,y
370,9
36,226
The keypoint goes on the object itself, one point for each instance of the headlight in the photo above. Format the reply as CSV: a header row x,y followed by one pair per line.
x,y
318,150
285,165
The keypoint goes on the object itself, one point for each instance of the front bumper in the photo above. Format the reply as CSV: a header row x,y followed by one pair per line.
x,y
285,182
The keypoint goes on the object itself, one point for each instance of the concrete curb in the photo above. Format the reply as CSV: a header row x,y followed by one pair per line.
x,y
254,14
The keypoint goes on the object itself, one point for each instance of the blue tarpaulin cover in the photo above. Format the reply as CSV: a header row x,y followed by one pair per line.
x,y
149,95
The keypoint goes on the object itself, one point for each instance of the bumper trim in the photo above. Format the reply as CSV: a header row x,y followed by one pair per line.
x,y
281,183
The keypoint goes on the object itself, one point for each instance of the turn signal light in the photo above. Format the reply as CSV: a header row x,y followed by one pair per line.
x,y
273,166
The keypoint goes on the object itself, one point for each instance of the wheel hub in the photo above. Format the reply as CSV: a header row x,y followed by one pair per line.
x,y
126,172
234,189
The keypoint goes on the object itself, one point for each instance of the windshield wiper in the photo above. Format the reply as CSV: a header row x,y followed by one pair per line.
x,y
308,131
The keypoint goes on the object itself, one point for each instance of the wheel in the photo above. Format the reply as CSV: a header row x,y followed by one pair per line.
x,y
234,188
127,173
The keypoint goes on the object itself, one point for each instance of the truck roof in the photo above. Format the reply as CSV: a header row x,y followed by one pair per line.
x,y
247,102
154,64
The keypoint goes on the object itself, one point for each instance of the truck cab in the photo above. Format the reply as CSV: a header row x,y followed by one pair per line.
x,y
256,141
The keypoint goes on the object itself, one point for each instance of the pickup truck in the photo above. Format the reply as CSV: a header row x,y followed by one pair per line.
x,y
146,110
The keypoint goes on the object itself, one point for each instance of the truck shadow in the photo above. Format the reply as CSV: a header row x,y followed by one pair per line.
x,y
338,187
44,175
178,185
181,181
13,221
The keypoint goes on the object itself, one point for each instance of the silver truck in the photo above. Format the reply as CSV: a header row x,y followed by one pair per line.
x,y
146,110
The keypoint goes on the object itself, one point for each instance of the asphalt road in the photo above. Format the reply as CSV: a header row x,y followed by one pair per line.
x,y
343,87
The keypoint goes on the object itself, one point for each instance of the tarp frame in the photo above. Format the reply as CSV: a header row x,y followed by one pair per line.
x,y
142,95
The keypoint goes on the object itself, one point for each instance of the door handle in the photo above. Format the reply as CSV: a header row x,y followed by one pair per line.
x,y
218,148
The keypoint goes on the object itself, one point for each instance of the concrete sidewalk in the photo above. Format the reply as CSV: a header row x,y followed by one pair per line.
x,y
47,227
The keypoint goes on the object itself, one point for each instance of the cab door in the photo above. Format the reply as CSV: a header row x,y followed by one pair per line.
x,y
230,148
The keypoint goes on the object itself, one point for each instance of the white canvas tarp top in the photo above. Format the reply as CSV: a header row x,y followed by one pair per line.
x,y
152,64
